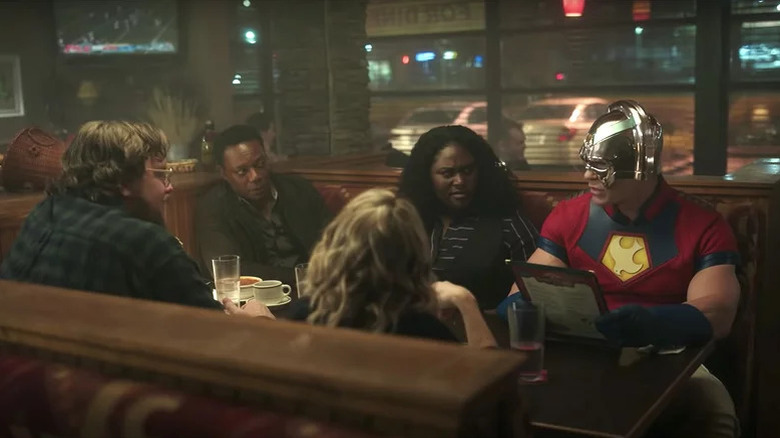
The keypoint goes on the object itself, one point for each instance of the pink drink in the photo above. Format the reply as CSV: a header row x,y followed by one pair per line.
x,y
531,369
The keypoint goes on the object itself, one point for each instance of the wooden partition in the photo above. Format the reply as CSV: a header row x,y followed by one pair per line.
x,y
14,207
377,383
750,201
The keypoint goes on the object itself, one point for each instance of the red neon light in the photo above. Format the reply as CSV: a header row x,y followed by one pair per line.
x,y
405,59
573,8
640,10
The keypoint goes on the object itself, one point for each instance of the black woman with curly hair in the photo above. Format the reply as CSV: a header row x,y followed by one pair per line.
x,y
470,211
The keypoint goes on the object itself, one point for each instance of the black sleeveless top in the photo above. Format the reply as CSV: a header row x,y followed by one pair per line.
x,y
473,253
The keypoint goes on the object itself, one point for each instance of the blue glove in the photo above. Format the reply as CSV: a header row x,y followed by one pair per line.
x,y
503,306
662,326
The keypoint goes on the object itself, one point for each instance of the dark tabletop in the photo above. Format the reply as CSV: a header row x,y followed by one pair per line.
x,y
600,391
593,390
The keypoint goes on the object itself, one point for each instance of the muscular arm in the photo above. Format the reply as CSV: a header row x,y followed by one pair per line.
x,y
714,291
540,257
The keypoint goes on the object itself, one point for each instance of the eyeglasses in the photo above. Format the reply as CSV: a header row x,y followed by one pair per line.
x,y
163,175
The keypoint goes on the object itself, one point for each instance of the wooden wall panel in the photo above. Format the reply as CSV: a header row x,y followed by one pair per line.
x,y
14,207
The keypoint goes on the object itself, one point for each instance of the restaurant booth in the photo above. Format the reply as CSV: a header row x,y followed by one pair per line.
x,y
73,360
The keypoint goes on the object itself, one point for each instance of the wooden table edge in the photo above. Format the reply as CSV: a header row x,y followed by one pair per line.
x,y
651,414
655,410
547,427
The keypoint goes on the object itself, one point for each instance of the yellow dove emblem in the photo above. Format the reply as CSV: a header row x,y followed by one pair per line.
x,y
626,256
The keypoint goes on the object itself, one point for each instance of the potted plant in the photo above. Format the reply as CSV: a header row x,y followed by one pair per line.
x,y
178,117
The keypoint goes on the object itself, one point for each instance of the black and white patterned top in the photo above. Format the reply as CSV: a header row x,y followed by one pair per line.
x,y
472,253
519,238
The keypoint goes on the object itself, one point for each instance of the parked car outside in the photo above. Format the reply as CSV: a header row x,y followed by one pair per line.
x,y
470,114
764,133
555,128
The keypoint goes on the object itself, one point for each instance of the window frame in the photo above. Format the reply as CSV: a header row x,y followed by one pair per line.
x,y
718,23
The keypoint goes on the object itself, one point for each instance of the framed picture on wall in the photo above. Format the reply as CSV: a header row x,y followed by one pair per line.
x,y
11,100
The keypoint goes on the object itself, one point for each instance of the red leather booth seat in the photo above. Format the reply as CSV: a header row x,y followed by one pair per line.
x,y
45,399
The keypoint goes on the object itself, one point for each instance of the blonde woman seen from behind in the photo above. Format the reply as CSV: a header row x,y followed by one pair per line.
x,y
372,271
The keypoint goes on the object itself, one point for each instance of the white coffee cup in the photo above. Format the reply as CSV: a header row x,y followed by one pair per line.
x,y
271,291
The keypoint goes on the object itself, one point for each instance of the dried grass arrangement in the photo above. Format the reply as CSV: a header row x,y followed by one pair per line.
x,y
177,117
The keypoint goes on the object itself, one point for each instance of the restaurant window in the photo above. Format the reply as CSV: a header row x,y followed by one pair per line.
x,y
741,7
526,14
426,66
756,51
418,17
477,115
754,99
400,120
243,107
754,127
426,63
642,53
560,70
245,49
555,125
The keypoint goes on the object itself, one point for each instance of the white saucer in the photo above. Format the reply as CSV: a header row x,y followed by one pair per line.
x,y
281,302
247,293
244,296
248,297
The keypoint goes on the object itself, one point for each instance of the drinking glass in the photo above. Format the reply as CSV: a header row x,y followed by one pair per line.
x,y
526,335
227,277
300,277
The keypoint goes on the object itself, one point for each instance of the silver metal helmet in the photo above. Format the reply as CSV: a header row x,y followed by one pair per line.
x,y
624,143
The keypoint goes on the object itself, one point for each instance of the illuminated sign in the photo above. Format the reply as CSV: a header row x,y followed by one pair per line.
x,y
424,56
404,17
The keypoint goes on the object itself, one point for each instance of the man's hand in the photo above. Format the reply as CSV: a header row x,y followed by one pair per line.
x,y
251,309
662,326
503,307
628,326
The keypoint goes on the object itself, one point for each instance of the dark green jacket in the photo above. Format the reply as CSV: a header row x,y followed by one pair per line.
x,y
224,224
70,242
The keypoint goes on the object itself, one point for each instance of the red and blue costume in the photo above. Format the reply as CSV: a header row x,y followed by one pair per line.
x,y
649,261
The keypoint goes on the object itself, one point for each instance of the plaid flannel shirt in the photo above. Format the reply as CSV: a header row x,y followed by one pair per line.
x,y
70,242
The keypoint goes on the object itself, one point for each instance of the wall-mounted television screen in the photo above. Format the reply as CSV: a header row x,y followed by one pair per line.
x,y
89,27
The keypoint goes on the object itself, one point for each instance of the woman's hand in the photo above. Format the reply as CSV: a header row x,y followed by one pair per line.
x,y
251,309
452,296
